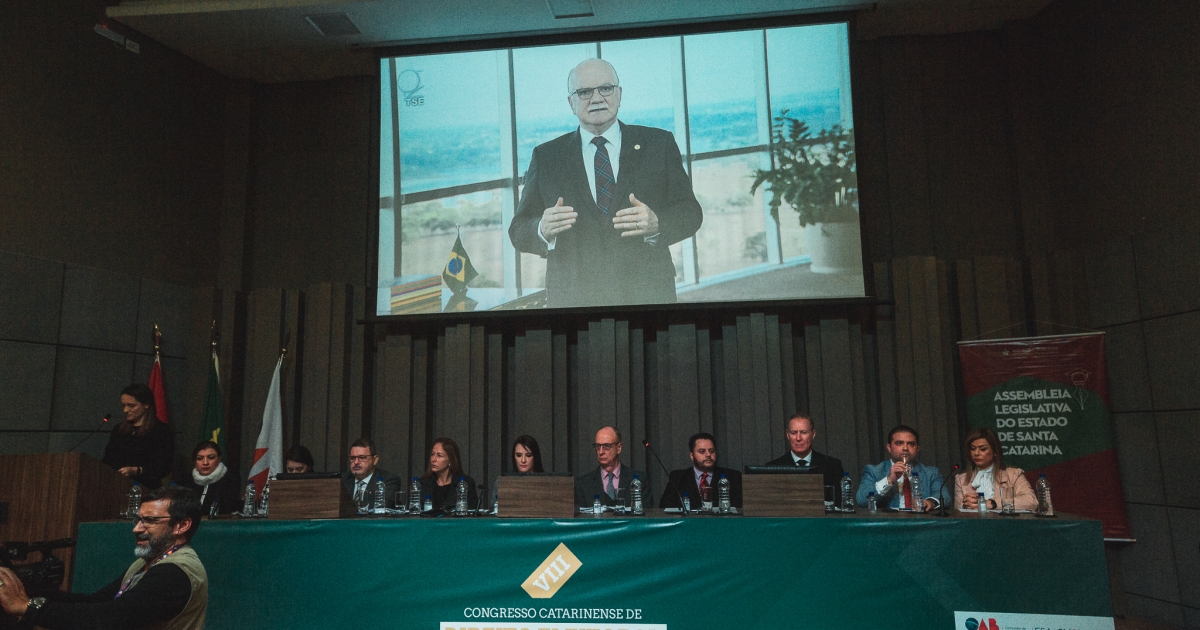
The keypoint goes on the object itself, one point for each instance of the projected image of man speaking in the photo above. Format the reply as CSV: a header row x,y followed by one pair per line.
x,y
604,203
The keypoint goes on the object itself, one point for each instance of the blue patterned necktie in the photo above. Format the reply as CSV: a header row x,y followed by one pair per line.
x,y
604,176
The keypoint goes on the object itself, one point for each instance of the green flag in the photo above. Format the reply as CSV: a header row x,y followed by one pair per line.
x,y
213,422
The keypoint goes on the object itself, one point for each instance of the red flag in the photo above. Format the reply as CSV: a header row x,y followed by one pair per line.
x,y
160,392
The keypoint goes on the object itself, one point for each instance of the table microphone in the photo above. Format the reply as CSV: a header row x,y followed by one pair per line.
x,y
103,421
670,482
479,503
941,498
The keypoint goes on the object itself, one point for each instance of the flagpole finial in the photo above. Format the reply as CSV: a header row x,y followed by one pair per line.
x,y
213,336
287,339
457,230
157,339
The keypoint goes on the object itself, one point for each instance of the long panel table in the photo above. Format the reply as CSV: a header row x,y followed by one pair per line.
x,y
654,572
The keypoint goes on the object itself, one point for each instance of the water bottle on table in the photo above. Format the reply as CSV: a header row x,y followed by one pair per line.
x,y
133,501
1045,505
414,497
264,506
635,496
377,501
918,500
249,502
847,496
460,501
723,503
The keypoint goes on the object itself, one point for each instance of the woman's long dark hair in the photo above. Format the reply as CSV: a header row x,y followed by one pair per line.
x,y
531,444
145,396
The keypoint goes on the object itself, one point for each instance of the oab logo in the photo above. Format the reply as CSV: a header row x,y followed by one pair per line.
x,y
554,571
982,624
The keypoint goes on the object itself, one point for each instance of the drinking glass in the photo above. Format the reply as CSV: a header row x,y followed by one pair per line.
x,y
401,500
1007,500
621,504
829,498
706,499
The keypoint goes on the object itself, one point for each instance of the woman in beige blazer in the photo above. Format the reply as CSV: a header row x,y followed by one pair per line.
x,y
987,463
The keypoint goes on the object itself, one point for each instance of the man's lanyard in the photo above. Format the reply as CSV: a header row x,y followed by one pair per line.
x,y
136,577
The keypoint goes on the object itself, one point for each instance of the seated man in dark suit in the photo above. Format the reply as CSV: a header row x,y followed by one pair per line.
x,y
800,435
610,476
704,473
360,481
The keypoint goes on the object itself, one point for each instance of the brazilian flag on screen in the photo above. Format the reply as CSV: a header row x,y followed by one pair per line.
x,y
459,271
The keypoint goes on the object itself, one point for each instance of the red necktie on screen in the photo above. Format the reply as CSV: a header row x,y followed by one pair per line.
x,y
605,182
908,492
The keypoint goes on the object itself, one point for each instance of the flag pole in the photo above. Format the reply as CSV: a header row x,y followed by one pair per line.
x,y
157,340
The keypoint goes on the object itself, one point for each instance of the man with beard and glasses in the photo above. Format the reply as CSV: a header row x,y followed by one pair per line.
x,y
704,474
166,587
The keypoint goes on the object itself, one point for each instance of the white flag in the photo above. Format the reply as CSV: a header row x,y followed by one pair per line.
x,y
268,451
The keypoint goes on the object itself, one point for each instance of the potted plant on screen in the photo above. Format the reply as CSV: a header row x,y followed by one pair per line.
x,y
816,175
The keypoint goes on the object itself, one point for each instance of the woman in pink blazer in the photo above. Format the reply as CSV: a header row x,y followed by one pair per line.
x,y
987,464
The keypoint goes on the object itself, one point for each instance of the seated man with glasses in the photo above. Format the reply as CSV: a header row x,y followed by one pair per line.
x,y
166,587
604,203
360,480
610,476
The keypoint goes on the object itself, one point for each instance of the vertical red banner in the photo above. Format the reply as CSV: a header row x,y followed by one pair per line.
x,y
1047,399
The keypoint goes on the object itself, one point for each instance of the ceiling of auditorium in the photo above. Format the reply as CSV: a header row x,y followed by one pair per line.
x,y
274,41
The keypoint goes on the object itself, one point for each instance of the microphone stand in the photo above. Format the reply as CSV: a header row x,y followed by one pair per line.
x,y
103,421
670,482
479,503
941,500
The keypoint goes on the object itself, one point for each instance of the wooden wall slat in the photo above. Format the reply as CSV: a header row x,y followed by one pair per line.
x,y
840,422
340,378
863,408
967,306
903,338
760,388
816,385
773,419
499,444
588,416
534,411
747,415
991,295
623,414
420,422
684,404
735,430
603,341
391,429
290,389
639,397
355,391
704,380
787,378
560,419
885,330
941,375
477,433
264,313
921,319
315,391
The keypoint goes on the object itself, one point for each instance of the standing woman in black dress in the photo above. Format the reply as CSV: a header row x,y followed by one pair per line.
x,y
140,447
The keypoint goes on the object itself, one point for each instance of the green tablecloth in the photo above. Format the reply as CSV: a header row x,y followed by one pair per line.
x,y
702,573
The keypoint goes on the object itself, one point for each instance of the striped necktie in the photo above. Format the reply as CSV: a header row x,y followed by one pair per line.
x,y
605,182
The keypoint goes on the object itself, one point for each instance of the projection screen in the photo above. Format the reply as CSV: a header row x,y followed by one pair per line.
x,y
463,217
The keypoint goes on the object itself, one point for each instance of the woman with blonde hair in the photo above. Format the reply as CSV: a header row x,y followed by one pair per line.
x,y
988,475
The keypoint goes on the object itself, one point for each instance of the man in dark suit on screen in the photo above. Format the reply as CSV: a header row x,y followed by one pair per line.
x,y
800,435
703,473
604,203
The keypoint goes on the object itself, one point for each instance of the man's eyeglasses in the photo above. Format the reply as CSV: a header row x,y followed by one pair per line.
x,y
359,458
584,94
604,447
149,520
